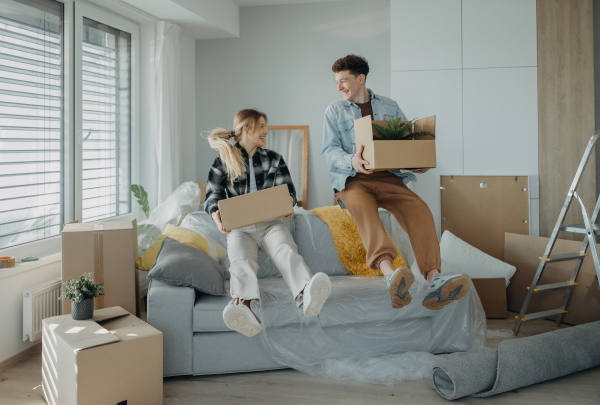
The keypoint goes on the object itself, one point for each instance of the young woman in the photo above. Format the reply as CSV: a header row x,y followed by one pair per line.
x,y
245,166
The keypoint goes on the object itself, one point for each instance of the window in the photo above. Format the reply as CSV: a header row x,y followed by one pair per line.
x,y
106,95
68,96
31,130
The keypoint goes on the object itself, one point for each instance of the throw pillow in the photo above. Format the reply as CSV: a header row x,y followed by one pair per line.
x,y
183,235
183,265
472,261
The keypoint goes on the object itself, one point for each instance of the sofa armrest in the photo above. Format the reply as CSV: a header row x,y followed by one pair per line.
x,y
170,310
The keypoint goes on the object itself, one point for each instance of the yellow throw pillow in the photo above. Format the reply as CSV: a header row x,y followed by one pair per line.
x,y
183,235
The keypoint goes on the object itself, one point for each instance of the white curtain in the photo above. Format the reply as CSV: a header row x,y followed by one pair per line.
x,y
167,108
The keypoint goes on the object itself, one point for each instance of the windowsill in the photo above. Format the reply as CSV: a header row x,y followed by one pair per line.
x,y
25,267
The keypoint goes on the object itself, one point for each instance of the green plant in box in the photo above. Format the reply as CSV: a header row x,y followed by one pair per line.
x,y
78,290
398,130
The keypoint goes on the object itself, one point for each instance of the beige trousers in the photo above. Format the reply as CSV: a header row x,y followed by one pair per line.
x,y
274,239
365,193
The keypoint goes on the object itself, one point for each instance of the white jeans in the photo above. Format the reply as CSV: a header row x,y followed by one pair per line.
x,y
274,239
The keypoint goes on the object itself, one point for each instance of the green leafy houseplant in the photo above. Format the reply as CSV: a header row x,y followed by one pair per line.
x,y
142,198
397,130
78,290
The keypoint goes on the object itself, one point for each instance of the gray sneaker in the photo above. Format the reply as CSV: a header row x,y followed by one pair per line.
x,y
444,290
398,284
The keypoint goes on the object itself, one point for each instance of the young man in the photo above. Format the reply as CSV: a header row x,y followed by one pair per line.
x,y
362,191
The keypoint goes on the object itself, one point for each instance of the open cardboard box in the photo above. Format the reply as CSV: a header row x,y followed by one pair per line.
x,y
253,208
109,251
400,154
113,358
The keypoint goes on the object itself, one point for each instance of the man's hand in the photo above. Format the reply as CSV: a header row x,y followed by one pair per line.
x,y
358,162
420,171
216,216
292,214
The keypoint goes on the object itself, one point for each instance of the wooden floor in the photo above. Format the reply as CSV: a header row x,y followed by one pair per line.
x,y
21,385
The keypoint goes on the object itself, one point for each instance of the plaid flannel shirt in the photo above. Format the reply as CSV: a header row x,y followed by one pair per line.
x,y
269,170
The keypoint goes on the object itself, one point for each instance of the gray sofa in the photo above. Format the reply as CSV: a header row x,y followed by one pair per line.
x,y
197,341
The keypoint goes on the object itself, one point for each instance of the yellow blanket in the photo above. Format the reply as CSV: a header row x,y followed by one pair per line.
x,y
351,252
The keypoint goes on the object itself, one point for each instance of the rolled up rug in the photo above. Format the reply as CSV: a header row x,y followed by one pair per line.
x,y
520,362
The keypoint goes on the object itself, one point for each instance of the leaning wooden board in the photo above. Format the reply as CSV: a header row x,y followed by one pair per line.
x,y
481,209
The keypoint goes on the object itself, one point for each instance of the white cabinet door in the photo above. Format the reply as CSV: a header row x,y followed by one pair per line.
x,y
499,33
439,92
500,122
425,34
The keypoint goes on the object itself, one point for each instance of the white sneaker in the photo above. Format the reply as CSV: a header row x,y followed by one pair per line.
x,y
240,318
444,290
316,293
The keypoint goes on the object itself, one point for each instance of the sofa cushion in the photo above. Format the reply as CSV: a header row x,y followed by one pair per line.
x,y
183,265
353,300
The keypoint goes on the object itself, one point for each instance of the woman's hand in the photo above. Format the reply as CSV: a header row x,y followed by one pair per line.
x,y
292,214
216,216
420,171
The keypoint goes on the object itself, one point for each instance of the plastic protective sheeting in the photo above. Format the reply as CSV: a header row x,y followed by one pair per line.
x,y
185,199
358,335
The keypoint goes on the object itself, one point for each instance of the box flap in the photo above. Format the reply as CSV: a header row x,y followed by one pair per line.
x,y
79,334
98,226
425,124
105,314
363,130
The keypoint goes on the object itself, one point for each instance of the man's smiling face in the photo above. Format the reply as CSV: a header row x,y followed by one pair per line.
x,y
348,84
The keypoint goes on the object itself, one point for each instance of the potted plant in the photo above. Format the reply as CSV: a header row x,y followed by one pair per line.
x,y
82,292
398,130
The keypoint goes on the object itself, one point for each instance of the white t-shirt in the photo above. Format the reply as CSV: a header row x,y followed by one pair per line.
x,y
252,178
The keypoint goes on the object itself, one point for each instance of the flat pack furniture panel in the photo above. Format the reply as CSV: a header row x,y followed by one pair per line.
x,y
416,48
524,252
481,209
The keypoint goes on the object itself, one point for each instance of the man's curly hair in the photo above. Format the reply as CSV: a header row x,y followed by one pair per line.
x,y
357,65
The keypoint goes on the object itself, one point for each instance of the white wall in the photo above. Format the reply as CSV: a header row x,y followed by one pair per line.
x,y
281,64
475,68
188,108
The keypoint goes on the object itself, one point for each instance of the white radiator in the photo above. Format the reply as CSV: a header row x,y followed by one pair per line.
x,y
40,302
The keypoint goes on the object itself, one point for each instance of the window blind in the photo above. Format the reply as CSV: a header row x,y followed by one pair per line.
x,y
106,86
31,114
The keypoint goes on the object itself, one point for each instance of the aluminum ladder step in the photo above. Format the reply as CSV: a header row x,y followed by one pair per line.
x,y
565,257
553,287
580,228
543,314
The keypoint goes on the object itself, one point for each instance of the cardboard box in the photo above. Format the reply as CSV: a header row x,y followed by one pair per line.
x,y
109,251
524,252
253,208
388,155
492,294
113,358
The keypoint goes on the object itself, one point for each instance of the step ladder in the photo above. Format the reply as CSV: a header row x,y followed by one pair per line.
x,y
589,228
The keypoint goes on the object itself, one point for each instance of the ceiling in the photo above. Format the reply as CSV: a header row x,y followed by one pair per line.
x,y
200,19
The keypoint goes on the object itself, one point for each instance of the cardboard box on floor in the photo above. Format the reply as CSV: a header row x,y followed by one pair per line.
x,y
492,294
253,208
524,252
109,251
388,155
113,358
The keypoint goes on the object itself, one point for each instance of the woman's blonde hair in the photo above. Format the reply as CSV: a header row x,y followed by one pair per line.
x,y
231,156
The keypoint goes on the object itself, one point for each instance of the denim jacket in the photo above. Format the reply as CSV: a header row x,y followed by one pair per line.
x,y
338,136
